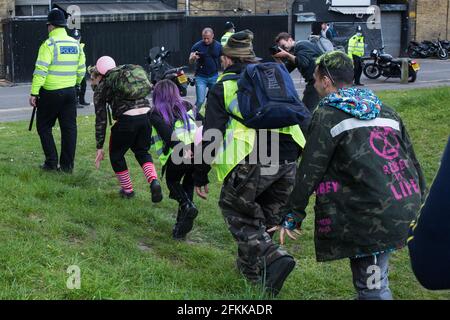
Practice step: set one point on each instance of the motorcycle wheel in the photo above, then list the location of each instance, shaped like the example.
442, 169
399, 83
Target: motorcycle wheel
183, 91
412, 75
372, 71
443, 54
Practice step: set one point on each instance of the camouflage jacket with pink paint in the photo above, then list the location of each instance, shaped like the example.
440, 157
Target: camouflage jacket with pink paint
368, 183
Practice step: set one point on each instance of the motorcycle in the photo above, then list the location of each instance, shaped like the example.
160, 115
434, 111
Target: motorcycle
160, 69
385, 65
428, 49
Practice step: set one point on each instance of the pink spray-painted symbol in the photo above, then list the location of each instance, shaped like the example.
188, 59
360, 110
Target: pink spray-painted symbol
384, 142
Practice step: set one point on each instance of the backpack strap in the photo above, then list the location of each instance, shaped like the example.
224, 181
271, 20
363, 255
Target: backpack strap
229, 76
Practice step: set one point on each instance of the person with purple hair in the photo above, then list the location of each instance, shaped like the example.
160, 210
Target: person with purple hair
173, 132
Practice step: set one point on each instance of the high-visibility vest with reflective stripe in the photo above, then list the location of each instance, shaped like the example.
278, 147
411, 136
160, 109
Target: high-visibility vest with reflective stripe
239, 140
356, 46
180, 133
225, 37
60, 63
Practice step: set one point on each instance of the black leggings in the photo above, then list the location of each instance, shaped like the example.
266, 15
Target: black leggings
181, 191
130, 132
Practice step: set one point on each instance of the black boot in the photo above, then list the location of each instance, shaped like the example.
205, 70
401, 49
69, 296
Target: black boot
187, 213
126, 195
155, 189
277, 272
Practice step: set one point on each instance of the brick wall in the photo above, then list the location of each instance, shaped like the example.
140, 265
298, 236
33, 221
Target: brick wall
225, 7
432, 19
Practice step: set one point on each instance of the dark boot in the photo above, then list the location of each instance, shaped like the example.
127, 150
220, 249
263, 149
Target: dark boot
185, 220
277, 272
126, 195
155, 189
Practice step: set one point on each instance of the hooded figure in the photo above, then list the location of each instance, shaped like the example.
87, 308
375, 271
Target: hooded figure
360, 163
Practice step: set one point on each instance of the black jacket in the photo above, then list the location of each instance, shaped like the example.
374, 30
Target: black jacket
306, 54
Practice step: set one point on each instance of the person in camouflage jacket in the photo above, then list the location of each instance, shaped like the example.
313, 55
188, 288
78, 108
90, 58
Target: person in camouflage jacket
360, 162
124, 89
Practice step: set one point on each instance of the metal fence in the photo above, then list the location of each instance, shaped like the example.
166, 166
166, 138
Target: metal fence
130, 41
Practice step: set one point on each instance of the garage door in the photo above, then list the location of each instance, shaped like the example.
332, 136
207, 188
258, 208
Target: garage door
391, 24
302, 31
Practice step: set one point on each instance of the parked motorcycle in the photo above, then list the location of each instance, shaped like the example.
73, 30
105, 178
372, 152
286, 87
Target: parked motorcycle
160, 69
428, 49
385, 65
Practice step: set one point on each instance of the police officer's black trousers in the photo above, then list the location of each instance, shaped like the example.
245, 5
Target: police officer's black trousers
82, 91
61, 105
357, 63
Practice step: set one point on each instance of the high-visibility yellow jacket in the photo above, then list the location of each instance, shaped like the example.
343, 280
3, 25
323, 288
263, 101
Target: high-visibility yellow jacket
225, 37
60, 63
239, 140
356, 46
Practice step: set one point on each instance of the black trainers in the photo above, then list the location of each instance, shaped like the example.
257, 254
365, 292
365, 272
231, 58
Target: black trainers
277, 272
155, 189
84, 103
126, 195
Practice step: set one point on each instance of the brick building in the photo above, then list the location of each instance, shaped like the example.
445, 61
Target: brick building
234, 7
430, 18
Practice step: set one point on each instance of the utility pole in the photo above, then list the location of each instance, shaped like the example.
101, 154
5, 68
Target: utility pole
187, 5
289, 5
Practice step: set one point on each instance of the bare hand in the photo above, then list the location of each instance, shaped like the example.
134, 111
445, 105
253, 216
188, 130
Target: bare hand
32, 101
194, 56
283, 232
282, 54
99, 158
202, 192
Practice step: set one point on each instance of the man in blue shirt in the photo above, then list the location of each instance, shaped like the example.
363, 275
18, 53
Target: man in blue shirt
206, 53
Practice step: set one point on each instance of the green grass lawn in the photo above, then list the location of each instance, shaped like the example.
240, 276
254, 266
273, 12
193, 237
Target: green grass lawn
124, 248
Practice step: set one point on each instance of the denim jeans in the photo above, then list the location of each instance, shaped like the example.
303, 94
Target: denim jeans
370, 277
201, 83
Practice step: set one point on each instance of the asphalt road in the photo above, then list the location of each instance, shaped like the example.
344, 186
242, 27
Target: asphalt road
14, 100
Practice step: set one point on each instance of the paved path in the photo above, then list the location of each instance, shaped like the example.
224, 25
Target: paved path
14, 100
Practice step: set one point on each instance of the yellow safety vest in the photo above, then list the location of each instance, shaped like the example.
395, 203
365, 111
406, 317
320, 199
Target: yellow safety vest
60, 63
356, 46
239, 140
225, 38
182, 133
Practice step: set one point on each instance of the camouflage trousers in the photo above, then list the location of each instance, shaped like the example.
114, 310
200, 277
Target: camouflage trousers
251, 203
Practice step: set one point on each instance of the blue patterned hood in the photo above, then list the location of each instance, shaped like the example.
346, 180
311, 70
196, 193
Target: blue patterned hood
362, 104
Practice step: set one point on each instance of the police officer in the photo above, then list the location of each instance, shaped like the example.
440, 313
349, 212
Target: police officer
81, 91
229, 31
60, 66
356, 52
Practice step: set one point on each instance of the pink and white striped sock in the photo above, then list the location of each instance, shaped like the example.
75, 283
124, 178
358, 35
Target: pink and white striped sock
125, 181
149, 171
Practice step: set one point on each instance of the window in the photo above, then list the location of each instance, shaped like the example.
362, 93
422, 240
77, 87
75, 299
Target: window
351, 3
31, 10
